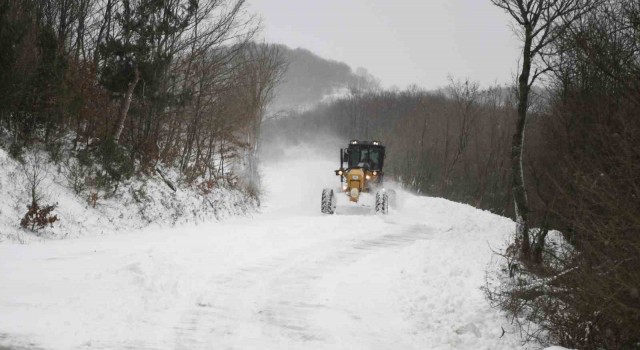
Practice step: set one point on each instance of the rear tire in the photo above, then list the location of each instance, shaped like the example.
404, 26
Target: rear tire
382, 202
328, 205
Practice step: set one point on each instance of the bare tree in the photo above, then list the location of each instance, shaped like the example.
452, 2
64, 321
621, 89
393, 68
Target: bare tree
35, 170
465, 97
539, 24
263, 67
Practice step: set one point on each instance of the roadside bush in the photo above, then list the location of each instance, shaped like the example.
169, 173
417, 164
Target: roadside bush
101, 168
16, 151
206, 187
55, 149
35, 169
37, 218
76, 175
115, 161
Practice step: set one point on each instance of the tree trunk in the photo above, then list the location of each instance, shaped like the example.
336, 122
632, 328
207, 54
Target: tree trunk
538, 246
517, 148
124, 108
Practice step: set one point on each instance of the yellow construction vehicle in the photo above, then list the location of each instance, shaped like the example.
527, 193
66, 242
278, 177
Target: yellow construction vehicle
363, 174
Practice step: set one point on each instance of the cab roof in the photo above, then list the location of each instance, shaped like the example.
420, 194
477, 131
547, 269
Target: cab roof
365, 143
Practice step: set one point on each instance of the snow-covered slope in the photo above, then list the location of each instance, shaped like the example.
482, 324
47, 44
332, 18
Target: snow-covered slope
139, 202
288, 278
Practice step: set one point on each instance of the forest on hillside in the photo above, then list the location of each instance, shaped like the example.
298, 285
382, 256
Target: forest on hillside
310, 79
557, 151
113, 88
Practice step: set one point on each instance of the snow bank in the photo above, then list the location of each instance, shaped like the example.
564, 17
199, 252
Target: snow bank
138, 203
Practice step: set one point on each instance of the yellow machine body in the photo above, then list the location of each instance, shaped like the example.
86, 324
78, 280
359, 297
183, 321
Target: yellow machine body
357, 181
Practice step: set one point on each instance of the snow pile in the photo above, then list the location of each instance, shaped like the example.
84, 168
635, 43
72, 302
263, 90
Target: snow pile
138, 202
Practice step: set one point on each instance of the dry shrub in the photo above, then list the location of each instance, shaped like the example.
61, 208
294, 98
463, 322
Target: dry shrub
206, 187
585, 163
37, 218
600, 208
93, 198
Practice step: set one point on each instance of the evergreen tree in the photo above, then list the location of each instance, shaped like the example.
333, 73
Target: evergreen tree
142, 51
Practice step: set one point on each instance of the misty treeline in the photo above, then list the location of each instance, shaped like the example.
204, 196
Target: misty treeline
311, 78
452, 143
124, 86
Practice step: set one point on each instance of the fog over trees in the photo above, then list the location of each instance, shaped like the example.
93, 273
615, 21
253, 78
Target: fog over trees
310, 78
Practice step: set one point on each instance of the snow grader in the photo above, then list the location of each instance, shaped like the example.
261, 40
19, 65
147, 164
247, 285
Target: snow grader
363, 174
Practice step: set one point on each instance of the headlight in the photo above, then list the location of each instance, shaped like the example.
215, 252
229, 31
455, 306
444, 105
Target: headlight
368, 177
339, 172
375, 173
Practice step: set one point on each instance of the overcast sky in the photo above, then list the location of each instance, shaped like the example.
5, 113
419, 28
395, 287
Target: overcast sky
401, 42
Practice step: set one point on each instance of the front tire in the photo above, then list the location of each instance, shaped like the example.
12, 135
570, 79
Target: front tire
328, 205
382, 202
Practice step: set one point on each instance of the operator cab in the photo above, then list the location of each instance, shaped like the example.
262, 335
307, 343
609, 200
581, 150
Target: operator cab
368, 155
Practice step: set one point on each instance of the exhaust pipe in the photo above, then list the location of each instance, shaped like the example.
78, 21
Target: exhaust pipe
341, 164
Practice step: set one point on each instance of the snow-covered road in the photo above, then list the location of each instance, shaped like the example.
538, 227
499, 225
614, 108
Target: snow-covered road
287, 278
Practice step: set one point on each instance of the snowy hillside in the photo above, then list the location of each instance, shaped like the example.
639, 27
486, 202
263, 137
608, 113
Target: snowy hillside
138, 203
288, 278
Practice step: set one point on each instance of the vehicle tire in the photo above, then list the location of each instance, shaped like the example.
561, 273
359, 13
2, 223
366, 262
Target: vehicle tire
328, 201
382, 202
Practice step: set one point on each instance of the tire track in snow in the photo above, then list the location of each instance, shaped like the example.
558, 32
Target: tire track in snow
30, 346
277, 294
291, 316
13, 347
